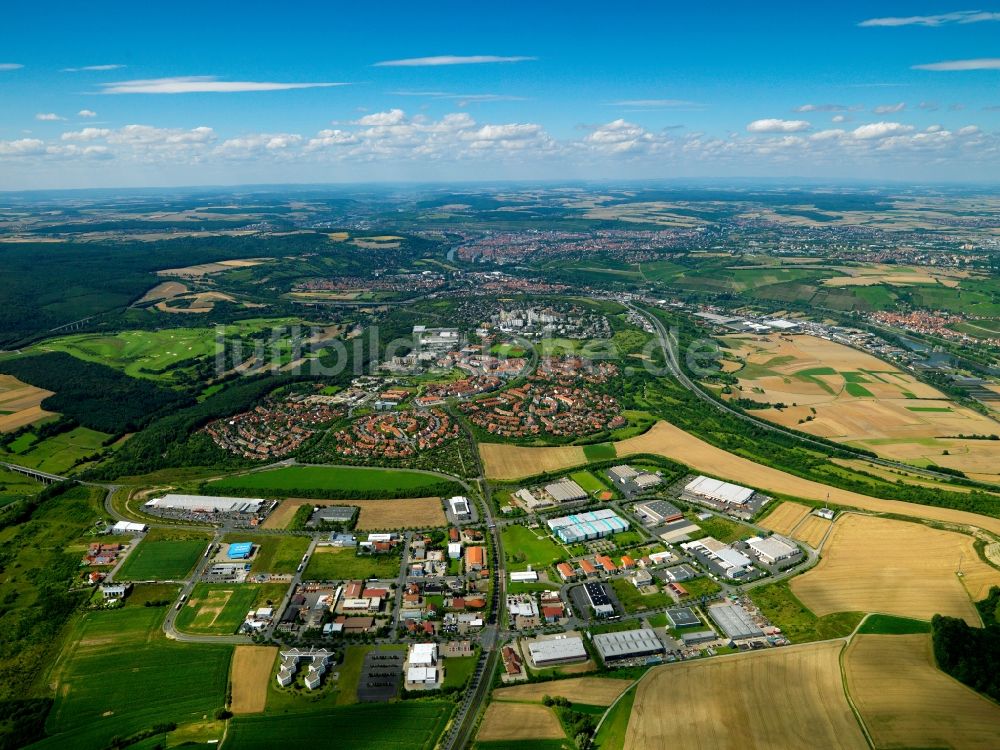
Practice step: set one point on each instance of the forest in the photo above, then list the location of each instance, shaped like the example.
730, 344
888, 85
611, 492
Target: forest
968, 654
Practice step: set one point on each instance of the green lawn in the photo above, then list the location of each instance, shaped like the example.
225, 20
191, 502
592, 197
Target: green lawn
457, 670
274, 554
588, 481
163, 559
59, 453
634, 600
398, 482
152, 592
698, 587
798, 623
600, 451
723, 529
533, 547
219, 608
407, 725
892, 625
120, 675
343, 563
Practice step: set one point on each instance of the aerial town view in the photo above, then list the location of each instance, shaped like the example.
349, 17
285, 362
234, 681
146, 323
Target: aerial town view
539, 377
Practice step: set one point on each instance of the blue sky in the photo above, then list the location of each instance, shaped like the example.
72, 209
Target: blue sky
223, 93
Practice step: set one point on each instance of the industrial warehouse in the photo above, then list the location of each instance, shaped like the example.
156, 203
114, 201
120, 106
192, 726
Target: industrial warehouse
734, 499
585, 526
734, 621
628, 644
556, 651
240, 511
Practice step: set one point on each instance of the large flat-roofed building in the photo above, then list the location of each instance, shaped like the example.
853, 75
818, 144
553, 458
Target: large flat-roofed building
204, 504
599, 600
128, 527
633, 481
628, 644
717, 492
734, 621
659, 511
565, 491
459, 506
683, 617
771, 549
557, 651
584, 526
732, 562
239, 550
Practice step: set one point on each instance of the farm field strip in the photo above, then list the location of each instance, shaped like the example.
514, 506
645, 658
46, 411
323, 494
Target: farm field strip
812, 530
789, 697
906, 701
249, 675
785, 517
519, 721
503, 461
874, 564
373, 514
595, 691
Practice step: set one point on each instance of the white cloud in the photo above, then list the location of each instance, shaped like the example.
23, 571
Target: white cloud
92, 68
382, 119
942, 19
22, 147
981, 63
880, 130
826, 135
201, 84
838, 118
10, 66
773, 125
420, 62
48, 116
620, 137
86, 113
258, 143
87, 134
886, 109
821, 108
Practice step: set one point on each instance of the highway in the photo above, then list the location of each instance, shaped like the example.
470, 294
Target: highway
669, 347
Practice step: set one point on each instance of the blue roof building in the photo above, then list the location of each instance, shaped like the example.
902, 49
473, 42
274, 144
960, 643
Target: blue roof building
240, 550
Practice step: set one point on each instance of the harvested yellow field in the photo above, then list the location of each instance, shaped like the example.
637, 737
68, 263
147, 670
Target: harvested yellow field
874, 564
202, 302
664, 439
777, 698
166, 290
22, 401
840, 393
207, 269
812, 531
894, 475
515, 461
906, 701
785, 517
373, 514
249, 675
519, 721
592, 690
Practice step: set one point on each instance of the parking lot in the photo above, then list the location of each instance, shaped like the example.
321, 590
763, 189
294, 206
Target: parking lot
381, 675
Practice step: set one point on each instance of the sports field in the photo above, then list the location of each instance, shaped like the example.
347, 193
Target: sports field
219, 609
777, 698
406, 725
594, 691
533, 547
396, 482
398, 513
119, 674
519, 721
897, 567
249, 675
842, 394
163, 559
343, 563
588, 481
906, 701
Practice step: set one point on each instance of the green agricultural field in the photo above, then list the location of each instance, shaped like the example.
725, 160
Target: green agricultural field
14, 486
152, 592
588, 481
343, 563
163, 559
141, 354
219, 609
59, 453
892, 625
600, 452
274, 554
333, 479
858, 391
407, 725
533, 547
119, 675
797, 622
612, 733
